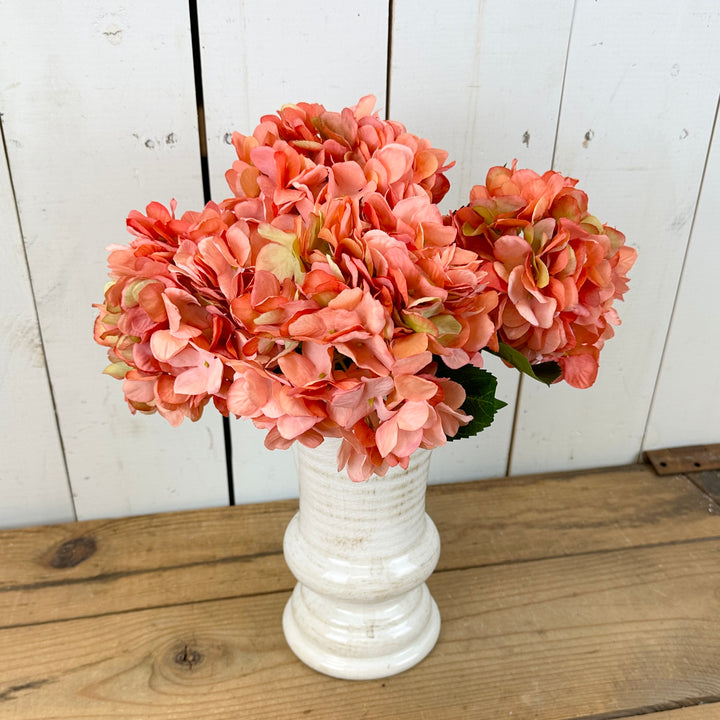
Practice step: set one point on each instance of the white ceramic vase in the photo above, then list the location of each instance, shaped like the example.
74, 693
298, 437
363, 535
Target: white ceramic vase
361, 553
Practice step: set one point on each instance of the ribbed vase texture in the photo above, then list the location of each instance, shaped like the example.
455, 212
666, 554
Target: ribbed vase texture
361, 553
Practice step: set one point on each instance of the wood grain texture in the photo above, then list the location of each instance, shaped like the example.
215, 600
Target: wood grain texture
638, 107
485, 109
685, 410
571, 513
256, 57
145, 561
560, 638
143, 543
99, 115
33, 480
176, 558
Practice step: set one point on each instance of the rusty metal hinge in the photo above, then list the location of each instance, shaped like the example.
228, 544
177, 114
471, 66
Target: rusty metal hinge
691, 458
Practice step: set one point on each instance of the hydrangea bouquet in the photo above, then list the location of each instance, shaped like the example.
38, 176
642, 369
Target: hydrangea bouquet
330, 296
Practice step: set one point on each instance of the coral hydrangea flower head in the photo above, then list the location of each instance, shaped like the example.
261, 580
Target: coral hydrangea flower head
556, 268
305, 152
329, 297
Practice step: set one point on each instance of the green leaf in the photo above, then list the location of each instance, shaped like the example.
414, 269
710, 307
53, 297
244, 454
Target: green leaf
480, 401
547, 372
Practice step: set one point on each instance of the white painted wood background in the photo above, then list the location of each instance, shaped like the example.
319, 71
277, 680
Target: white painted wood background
98, 110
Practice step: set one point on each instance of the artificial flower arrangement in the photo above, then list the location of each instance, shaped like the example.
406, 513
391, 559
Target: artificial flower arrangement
330, 296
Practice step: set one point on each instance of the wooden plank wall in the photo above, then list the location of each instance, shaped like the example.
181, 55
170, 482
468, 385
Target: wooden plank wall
98, 110
98, 104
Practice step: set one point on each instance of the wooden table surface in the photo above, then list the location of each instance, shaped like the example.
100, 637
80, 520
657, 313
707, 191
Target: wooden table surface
589, 595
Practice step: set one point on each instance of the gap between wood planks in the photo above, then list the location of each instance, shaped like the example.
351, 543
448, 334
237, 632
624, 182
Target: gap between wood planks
388, 65
205, 172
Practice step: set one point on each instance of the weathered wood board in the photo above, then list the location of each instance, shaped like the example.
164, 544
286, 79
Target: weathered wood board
99, 116
559, 638
104, 566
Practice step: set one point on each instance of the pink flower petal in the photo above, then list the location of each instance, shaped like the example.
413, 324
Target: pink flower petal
165, 345
290, 426
206, 377
397, 159
412, 415
412, 387
386, 437
580, 371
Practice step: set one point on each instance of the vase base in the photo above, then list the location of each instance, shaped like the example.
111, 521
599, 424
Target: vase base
361, 641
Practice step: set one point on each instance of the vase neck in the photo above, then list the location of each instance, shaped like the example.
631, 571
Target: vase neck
380, 516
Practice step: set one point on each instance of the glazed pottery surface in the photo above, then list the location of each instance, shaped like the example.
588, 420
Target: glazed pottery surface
361, 553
